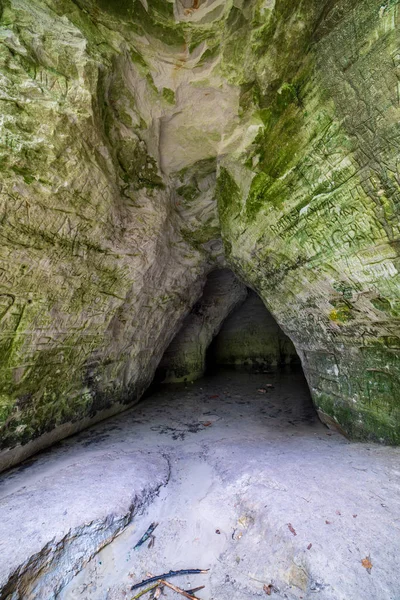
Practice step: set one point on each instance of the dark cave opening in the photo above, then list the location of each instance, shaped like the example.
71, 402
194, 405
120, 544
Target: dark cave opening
231, 339
250, 339
229, 327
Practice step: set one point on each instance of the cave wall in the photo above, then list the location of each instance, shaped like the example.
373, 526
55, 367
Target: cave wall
135, 136
97, 271
310, 212
251, 337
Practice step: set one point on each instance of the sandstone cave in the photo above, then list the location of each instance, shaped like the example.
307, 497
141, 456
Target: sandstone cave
199, 299
228, 327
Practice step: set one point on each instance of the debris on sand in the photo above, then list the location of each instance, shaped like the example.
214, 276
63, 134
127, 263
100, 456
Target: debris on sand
165, 576
291, 529
157, 592
143, 592
179, 591
367, 564
268, 589
146, 536
194, 590
151, 542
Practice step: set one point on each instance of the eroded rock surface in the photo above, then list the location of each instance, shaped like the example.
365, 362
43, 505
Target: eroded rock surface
57, 514
145, 143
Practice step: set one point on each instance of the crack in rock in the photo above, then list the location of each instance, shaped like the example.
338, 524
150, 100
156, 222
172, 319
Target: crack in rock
48, 571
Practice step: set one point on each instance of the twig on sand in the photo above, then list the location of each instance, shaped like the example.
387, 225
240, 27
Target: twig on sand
194, 590
143, 592
168, 576
178, 590
157, 592
146, 536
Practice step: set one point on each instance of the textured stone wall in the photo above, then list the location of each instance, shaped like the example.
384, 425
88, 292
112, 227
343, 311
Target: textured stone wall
310, 211
251, 337
135, 136
97, 269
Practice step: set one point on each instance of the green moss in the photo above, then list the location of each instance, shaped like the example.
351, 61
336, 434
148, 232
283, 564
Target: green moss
25, 173
250, 96
159, 22
341, 314
384, 305
120, 8
45, 396
345, 289
169, 95
6, 408
188, 192
228, 195
235, 45
261, 193
199, 169
360, 422
138, 60
138, 168
278, 142
196, 238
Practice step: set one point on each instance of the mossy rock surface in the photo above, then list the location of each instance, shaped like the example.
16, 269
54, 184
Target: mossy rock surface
141, 148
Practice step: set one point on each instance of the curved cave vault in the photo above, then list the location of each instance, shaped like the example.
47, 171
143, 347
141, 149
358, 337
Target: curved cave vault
229, 326
117, 197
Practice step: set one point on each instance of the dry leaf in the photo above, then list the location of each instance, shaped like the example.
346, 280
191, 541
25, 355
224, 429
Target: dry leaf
267, 589
291, 529
207, 424
367, 564
246, 521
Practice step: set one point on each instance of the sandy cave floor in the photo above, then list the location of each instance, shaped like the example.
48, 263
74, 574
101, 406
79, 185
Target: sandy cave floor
248, 484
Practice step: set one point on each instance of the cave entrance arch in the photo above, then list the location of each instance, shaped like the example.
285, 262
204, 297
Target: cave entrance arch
230, 337
229, 326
